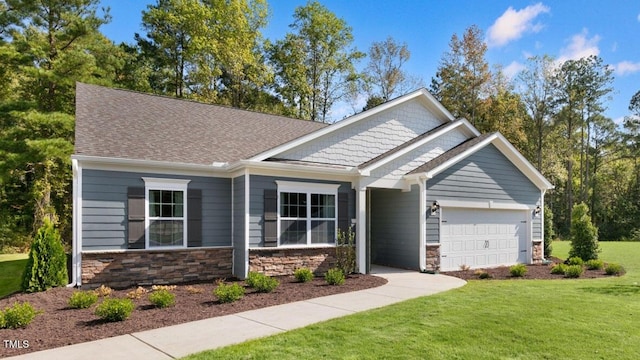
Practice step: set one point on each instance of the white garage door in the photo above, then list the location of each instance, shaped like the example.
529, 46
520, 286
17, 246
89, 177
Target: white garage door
482, 238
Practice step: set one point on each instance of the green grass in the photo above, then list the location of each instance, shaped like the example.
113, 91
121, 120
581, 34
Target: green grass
11, 269
511, 319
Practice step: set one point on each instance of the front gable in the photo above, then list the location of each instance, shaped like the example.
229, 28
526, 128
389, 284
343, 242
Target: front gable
362, 137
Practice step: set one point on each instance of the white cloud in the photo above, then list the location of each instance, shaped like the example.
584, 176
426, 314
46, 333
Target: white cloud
614, 47
580, 46
626, 67
638, 17
511, 70
513, 23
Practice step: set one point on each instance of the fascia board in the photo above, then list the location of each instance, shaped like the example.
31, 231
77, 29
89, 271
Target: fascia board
353, 119
110, 163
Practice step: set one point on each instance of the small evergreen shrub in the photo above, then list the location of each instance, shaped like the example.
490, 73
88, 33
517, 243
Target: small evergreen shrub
303, 275
82, 299
575, 261
47, 264
115, 309
595, 264
228, 293
252, 278
573, 271
334, 276
518, 270
584, 235
613, 269
138, 293
103, 291
261, 282
559, 269
162, 298
18, 316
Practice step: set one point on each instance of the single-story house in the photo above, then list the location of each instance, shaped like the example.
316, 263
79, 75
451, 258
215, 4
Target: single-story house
168, 190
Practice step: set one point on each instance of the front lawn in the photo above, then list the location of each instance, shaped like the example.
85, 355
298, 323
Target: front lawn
511, 319
11, 269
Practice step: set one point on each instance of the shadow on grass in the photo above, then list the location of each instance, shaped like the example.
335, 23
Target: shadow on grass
615, 290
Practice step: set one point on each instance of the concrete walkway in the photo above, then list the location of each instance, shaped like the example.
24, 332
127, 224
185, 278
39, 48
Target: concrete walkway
184, 339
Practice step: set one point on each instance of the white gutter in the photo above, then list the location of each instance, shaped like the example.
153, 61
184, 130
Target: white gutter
216, 167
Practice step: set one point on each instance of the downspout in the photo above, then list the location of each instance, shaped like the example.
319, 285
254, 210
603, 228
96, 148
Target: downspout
76, 244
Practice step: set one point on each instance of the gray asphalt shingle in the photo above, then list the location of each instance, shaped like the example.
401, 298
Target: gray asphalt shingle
132, 125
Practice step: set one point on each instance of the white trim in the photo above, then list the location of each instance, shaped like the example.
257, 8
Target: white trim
483, 205
422, 94
150, 166
233, 228
429, 138
308, 189
76, 253
171, 185
247, 217
361, 225
423, 224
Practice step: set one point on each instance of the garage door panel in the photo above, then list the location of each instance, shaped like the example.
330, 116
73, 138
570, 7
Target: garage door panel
482, 237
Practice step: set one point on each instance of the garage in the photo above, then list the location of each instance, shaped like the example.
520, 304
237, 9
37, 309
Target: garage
481, 238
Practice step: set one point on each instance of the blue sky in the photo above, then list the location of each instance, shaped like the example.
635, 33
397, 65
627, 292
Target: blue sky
514, 30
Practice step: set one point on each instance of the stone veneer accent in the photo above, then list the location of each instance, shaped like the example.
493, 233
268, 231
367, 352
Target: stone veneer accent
538, 251
433, 257
275, 262
146, 267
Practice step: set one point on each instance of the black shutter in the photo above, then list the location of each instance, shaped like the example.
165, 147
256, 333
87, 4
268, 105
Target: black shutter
270, 218
194, 218
344, 220
135, 210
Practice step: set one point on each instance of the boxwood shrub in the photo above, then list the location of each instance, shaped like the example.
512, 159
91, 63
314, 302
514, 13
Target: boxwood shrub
334, 276
573, 271
303, 275
228, 293
82, 299
115, 309
518, 270
162, 298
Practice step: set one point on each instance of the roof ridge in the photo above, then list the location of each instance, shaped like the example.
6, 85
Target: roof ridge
162, 96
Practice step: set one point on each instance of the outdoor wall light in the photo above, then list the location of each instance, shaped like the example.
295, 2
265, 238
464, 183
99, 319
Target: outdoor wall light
434, 207
537, 211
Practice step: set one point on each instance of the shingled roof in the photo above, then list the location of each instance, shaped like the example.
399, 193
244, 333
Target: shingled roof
447, 155
132, 125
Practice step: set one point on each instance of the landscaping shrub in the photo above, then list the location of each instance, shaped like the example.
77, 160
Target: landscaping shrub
518, 270
115, 309
549, 233
103, 291
17, 316
82, 299
228, 293
613, 269
575, 261
162, 298
559, 269
334, 276
573, 271
481, 274
346, 251
595, 264
194, 290
137, 293
303, 275
584, 235
261, 282
47, 264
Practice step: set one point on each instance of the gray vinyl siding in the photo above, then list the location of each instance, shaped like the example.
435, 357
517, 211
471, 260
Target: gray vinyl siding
104, 207
484, 176
259, 183
239, 247
395, 227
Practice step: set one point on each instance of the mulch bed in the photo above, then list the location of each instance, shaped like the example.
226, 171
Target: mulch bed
533, 272
59, 325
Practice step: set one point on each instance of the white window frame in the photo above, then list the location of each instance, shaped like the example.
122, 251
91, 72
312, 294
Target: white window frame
308, 189
170, 185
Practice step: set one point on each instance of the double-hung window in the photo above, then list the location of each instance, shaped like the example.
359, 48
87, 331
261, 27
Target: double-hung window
166, 213
307, 213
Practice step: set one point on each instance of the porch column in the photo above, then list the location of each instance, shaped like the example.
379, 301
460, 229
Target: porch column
423, 224
361, 229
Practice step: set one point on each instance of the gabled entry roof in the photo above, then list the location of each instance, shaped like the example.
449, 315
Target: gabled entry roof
471, 146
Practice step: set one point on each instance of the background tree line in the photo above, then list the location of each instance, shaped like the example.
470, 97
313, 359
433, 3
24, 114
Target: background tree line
213, 51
